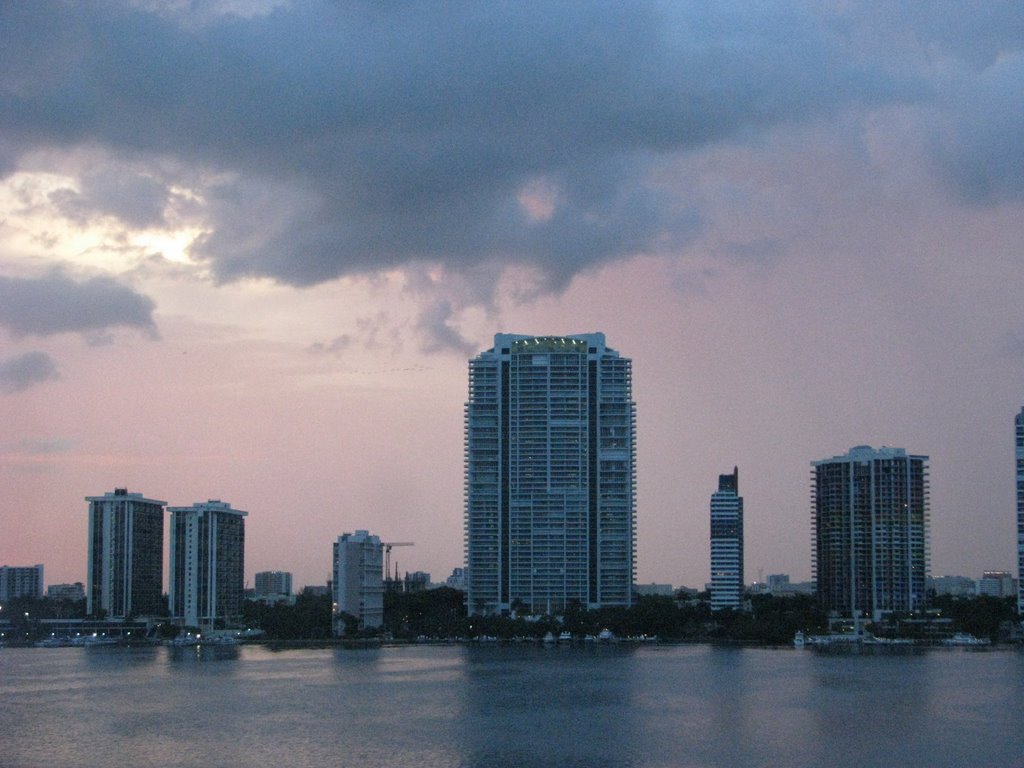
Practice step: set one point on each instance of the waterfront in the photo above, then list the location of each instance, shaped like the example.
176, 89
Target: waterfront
524, 706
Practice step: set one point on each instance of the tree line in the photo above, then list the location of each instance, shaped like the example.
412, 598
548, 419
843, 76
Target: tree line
441, 614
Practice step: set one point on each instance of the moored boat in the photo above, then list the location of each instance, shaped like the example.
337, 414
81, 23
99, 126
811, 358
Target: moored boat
965, 639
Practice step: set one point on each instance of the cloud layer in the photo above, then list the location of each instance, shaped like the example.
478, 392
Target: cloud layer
23, 371
56, 304
327, 139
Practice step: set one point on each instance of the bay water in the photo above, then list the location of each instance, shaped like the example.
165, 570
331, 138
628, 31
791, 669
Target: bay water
527, 706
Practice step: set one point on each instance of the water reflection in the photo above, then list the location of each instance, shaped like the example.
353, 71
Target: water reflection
536, 706
525, 706
202, 653
105, 657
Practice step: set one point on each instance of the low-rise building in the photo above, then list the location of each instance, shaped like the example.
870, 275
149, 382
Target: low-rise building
71, 592
21, 581
653, 589
958, 586
997, 584
457, 580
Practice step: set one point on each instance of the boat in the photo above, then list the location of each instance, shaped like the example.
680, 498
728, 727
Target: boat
965, 639
565, 637
53, 641
870, 639
548, 638
188, 640
799, 640
605, 635
95, 639
832, 639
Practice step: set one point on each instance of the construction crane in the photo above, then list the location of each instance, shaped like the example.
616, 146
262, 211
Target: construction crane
387, 554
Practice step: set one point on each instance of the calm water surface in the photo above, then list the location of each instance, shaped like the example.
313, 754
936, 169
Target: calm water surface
523, 706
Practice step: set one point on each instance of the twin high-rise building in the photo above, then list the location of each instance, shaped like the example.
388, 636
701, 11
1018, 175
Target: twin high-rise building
727, 544
550, 475
1019, 442
126, 555
870, 518
125, 559
207, 561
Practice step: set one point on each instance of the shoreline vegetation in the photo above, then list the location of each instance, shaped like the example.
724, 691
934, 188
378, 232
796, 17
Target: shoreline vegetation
439, 616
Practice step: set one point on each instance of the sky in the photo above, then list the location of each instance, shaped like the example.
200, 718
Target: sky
246, 249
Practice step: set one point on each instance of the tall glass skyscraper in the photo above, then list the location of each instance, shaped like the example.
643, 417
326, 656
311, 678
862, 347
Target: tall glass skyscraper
1019, 425
125, 560
871, 518
207, 583
550, 478
727, 543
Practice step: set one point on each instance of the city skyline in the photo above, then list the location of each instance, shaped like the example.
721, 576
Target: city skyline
247, 249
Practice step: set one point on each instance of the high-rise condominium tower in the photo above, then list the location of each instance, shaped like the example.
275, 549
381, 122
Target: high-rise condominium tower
870, 515
550, 475
125, 559
1019, 424
358, 580
727, 543
207, 560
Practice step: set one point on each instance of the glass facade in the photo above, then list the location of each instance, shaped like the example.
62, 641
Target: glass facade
550, 475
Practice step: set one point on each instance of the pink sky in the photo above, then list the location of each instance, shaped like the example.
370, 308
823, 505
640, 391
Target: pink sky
236, 267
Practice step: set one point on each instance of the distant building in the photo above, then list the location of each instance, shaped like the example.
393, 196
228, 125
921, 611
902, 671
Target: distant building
797, 588
958, 586
125, 559
71, 592
317, 590
21, 581
417, 581
778, 582
207, 561
727, 544
997, 584
870, 515
653, 589
550, 479
358, 580
1019, 442
457, 580
273, 584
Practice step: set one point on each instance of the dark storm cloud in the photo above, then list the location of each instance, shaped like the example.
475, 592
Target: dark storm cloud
23, 371
57, 304
136, 199
435, 327
984, 152
398, 132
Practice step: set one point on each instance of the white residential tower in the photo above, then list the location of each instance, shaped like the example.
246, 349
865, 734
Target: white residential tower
550, 475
